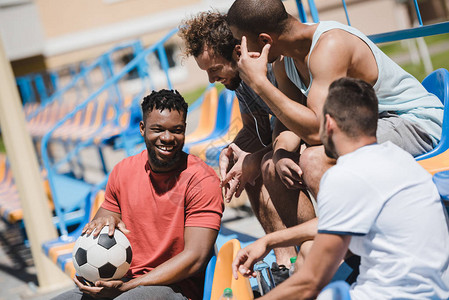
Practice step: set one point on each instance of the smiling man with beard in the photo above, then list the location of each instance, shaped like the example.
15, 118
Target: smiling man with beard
168, 204
164, 147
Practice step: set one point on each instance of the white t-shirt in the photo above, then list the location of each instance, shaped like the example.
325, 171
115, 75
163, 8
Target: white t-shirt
390, 206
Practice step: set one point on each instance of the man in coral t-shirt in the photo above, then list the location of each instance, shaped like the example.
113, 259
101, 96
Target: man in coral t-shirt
169, 205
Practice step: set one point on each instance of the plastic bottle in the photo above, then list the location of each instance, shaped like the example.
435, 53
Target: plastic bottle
227, 295
264, 277
292, 266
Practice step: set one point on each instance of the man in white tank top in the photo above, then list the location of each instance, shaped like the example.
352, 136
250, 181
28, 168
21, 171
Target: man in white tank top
307, 58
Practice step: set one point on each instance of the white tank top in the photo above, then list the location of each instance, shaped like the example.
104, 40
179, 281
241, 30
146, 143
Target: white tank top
397, 91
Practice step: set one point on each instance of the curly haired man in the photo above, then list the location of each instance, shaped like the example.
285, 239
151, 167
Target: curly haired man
272, 159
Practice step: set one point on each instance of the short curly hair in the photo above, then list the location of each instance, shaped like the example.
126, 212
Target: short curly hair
207, 28
164, 99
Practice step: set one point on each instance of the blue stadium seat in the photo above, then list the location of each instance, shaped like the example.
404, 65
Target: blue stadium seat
209, 277
222, 124
437, 83
441, 180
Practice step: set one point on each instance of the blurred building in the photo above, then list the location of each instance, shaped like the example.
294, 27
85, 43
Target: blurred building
53, 34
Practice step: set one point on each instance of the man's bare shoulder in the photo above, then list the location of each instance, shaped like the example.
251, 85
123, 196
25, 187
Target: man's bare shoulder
333, 51
348, 55
338, 40
333, 41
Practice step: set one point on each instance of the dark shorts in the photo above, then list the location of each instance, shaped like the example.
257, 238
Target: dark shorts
405, 134
138, 293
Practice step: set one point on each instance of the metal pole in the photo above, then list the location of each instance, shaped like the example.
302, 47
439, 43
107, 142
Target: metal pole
418, 14
301, 11
313, 11
38, 222
346, 12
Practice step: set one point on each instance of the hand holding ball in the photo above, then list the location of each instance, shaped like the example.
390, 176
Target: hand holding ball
103, 257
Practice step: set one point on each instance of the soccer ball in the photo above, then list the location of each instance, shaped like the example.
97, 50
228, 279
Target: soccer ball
102, 258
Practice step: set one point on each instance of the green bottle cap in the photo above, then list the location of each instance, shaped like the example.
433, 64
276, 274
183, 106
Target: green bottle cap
293, 259
227, 292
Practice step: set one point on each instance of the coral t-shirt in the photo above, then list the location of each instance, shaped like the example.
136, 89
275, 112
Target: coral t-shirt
156, 207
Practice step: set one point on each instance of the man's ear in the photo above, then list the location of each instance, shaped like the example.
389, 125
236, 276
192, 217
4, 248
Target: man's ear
236, 53
264, 38
329, 124
142, 128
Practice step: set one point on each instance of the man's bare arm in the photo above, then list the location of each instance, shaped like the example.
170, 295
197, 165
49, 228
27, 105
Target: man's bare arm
293, 236
248, 256
197, 246
324, 258
329, 61
253, 71
283, 138
286, 156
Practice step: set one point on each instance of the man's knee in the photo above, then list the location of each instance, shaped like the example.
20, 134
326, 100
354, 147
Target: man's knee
311, 158
268, 169
304, 250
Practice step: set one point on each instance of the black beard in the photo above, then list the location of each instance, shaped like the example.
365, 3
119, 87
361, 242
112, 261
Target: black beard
234, 84
164, 164
329, 149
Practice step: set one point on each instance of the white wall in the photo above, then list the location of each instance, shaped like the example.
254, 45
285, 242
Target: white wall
20, 29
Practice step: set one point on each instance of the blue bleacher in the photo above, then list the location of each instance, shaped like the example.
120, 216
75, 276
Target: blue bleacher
437, 83
224, 110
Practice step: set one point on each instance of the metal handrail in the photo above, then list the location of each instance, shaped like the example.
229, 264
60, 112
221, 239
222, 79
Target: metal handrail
101, 61
315, 17
397, 35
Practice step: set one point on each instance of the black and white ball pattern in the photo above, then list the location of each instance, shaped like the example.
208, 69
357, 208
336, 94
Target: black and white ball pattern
102, 258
